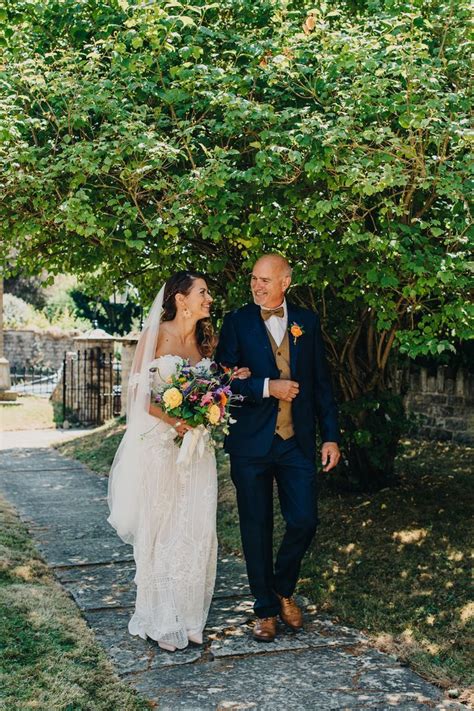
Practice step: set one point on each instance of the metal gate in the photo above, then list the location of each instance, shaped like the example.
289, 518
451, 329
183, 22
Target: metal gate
91, 386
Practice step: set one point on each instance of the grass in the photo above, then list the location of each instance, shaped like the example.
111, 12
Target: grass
33, 413
49, 658
395, 563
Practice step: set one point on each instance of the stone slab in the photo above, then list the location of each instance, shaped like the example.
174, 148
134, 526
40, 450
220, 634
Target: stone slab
50, 529
19, 439
60, 518
231, 579
313, 679
35, 459
239, 642
131, 654
111, 585
85, 551
104, 586
227, 615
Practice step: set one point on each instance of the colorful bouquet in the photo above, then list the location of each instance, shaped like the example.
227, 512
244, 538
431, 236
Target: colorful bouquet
199, 395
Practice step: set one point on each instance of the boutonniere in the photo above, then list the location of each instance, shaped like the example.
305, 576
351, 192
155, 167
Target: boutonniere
296, 331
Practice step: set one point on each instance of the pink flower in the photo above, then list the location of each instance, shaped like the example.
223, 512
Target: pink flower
206, 399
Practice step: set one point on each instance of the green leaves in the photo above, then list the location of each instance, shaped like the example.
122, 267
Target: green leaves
138, 139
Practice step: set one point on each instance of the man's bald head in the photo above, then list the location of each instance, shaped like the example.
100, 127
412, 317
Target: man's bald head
275, 262
271, 277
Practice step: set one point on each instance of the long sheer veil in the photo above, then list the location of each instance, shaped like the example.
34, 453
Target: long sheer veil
126, 472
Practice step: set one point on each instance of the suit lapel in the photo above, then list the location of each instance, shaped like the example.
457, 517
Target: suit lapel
260, 333
294, 343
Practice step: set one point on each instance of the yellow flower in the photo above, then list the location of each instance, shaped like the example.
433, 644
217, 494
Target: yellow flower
172, 398
213, 414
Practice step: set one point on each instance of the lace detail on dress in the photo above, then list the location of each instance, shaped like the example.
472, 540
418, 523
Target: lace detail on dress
175, 548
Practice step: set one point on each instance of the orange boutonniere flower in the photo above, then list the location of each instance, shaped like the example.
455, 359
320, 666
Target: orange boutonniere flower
296, 331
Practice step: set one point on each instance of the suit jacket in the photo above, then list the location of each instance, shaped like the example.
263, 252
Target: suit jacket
244, 341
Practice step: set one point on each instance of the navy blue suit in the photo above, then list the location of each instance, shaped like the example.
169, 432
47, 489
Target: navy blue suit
258, 455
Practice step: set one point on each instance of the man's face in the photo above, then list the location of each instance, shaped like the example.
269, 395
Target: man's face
268, 283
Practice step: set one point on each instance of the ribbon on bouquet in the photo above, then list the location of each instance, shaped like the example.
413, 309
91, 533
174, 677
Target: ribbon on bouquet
198, 438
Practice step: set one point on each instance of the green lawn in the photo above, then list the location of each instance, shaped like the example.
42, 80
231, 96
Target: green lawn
49, 658
395, 564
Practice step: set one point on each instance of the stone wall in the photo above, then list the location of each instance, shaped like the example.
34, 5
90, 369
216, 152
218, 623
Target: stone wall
37, 348
444, 402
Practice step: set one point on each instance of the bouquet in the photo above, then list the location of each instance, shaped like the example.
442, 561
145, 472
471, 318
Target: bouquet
201, 396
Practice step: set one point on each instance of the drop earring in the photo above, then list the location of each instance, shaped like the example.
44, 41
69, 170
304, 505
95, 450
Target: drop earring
187, 313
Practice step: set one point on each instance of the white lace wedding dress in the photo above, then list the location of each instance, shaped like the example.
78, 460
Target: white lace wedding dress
175, 547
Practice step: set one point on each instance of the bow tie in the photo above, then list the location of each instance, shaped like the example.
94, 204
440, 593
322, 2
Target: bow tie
266, 313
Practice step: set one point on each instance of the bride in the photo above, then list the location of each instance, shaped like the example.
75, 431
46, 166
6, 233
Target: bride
165, 510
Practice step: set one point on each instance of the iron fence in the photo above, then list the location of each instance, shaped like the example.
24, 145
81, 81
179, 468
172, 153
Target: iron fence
91, 386
34, 380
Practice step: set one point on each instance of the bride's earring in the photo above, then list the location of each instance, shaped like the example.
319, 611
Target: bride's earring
187, 313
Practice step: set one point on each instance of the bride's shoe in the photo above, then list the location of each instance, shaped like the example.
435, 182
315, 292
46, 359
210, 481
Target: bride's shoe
195, 638
166, 647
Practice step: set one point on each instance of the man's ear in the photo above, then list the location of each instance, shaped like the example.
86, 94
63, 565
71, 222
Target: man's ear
286, 282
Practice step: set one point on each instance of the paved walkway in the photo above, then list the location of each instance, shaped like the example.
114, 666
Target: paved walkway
31, 439
325, 667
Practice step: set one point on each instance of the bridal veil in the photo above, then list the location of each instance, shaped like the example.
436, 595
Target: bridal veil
125, 475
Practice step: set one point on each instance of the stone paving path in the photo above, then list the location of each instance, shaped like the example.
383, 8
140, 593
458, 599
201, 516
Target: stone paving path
327, 666
35, 438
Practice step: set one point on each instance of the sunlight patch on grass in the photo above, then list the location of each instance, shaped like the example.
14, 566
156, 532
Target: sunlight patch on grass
467, 613
25, 572
415, 535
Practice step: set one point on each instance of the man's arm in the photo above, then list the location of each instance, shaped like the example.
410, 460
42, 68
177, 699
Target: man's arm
325, 403
228, 354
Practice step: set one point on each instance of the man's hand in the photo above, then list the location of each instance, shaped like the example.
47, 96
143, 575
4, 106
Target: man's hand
330, 455
285, 390
242, 373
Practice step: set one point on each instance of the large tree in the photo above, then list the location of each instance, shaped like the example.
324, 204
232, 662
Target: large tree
142, 137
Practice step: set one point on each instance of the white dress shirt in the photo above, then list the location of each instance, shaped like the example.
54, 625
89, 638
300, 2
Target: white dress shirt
277, 326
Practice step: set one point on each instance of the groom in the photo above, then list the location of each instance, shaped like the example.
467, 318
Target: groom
274, 435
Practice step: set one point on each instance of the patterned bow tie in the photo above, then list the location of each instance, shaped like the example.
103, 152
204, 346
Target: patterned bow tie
266, 313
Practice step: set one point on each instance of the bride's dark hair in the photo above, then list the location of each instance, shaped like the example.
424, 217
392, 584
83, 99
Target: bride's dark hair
181, 283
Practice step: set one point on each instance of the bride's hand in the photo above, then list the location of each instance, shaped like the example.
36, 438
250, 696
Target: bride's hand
242, 373
181, 427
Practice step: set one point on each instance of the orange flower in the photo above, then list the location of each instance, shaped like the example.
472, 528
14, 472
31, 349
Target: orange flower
224, 399
296, 331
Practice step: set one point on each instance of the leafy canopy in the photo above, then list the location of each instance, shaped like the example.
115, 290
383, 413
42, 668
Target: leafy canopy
138, 138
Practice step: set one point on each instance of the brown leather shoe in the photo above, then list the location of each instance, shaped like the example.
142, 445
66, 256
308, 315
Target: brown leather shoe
290, 613
265, 629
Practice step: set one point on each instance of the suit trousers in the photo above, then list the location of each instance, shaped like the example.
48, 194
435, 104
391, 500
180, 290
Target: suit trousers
253, 477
